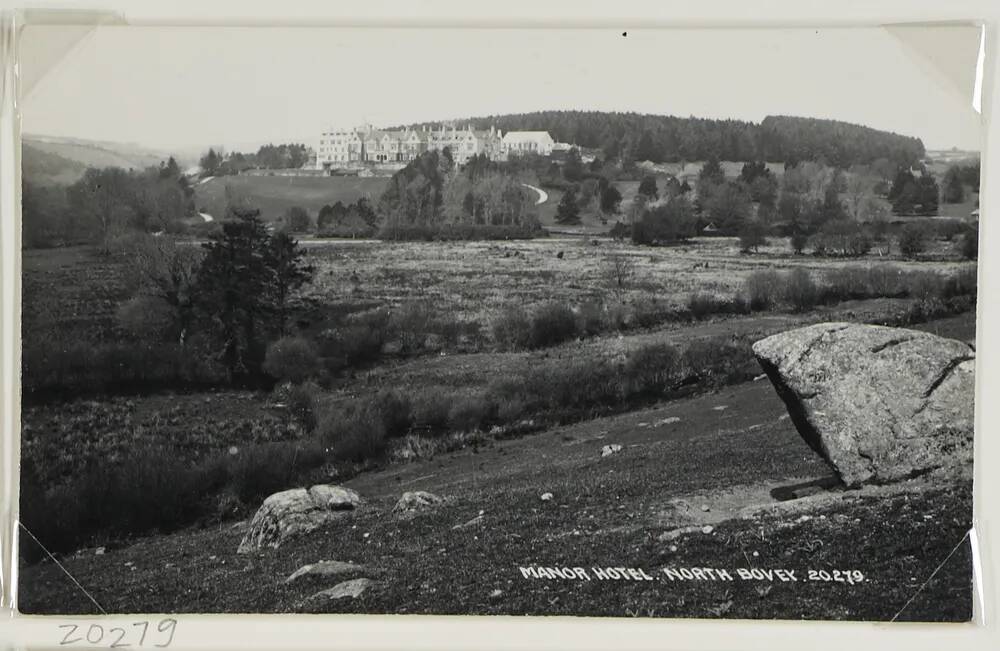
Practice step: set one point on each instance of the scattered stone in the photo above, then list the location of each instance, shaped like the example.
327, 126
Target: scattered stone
496, 594
417, 500
879, 404
760, 377
99, 551
608, 450
707, 529
297, 512
546, 497
704, 507
470, 523
720, 408
326, 568
348, 589
673, 534
667, 421
643, 424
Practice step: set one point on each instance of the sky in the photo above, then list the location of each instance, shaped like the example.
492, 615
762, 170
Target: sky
184, 87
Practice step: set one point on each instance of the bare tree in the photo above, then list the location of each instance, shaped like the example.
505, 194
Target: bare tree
619, 272
167, 272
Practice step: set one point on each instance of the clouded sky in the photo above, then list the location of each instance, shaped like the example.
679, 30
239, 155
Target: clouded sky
239, 87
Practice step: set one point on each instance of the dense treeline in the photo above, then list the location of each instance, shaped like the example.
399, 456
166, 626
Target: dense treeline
104, 203
284, 156
433, 197
841, 144
663, 138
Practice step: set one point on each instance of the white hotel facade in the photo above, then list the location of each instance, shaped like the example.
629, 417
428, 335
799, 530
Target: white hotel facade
366, 145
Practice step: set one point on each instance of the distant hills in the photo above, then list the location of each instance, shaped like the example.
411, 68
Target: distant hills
49, 160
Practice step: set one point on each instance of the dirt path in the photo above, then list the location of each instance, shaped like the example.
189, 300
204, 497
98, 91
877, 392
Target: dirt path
543, 196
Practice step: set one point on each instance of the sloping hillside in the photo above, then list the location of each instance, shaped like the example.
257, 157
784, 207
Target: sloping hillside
42, 167
91, 153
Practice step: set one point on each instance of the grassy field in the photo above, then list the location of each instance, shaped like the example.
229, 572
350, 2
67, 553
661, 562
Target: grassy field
731, 448
273, 195
473, 280
724, 455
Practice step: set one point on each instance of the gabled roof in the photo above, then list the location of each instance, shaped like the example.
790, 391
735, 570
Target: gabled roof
527, 136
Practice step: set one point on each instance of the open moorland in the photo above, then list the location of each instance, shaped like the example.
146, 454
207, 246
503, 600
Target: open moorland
273, 195
712, 452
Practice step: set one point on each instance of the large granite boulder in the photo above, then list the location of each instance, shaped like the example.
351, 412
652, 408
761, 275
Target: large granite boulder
296, 512
879, 404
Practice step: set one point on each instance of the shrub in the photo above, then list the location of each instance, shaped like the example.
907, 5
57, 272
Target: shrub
551, 324
649, 369
702, 305
512, 328
762, 289
259, 470
291, 359
302, 403
146, 318
591, 318
913, 240
356, 433
469, 413
801, 290
395, 410
798, 241
411, 323
963, 282
430, 409
719, 360
968, 244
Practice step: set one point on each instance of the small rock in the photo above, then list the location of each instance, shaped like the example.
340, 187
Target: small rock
756, 554
667, 421
417, 500
326, 568
496, 594
608, 450
707, 529
804, 518
720, 408
348, 589
99, 551
673, 548
704, 507
760, 377
547, 497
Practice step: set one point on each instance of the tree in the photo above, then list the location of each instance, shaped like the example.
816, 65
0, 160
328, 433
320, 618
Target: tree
611, 198
647, 187
573, 167
729, 207
912, 240
568, 212
297, 220
668, 222
104, 198
903, 178
209, 163
752, 236
927, 193
233, 288
166, 272
285, 260
954, 189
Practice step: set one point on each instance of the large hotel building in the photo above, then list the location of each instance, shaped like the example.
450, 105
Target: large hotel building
368, 145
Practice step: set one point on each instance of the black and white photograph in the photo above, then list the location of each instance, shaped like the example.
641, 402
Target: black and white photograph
653, 323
